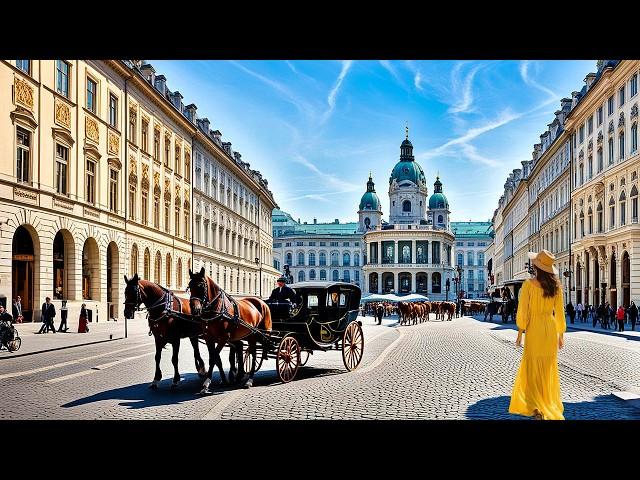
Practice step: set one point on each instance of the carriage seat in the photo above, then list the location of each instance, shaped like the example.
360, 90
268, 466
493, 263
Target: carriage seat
280, 310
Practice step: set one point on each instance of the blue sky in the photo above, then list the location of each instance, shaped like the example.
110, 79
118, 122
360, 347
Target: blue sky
316, 128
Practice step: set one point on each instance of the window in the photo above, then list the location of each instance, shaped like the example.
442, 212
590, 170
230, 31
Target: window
335, 276
611, 159
623, 213
612, 213
470, 244
590, 125
312, 259
300, 258
113, 110
600, 160
323, 244
406, 206
299, 244
356, 276
469, 258
582, 134
600, 115
621, 96
346, 259
167, 223
113, 190
633, 85
459, 244
90, 181
312, 275
610, 106
634, 137
323, 259
23, 154
145, 135
480, 259
345, 244
621, 145
62, 77
347, 277
133, 125
334, 258
24, 65
92, 89
145, 208
187, 166
590, 171
62, 162
167, 149
132, 202
156, 144
634, 204
333, 244
323, 274
590, 215
177, 160
312, 244
356, 259
600, 219
177, 221
186, 224
156, 212
460, 259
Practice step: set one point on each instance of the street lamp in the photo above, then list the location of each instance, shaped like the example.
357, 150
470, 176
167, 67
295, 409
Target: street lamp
447, 287
257, 261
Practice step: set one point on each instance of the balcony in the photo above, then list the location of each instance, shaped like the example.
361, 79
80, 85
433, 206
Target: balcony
432, 266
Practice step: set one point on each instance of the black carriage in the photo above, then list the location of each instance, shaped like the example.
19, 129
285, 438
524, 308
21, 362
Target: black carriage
324, 317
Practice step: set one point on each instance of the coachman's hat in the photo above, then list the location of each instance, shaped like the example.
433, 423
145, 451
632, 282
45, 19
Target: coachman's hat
282, 279
544, 261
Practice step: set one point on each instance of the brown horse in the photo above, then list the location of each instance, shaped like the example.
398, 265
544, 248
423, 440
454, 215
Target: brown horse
228, 320
166, 327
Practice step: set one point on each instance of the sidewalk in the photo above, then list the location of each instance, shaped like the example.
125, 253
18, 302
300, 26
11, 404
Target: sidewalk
98, 332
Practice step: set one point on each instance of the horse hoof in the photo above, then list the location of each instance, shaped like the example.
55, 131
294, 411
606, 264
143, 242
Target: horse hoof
248, 383
153, 386
205, 391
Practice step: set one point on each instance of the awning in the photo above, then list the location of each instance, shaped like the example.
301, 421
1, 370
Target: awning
390, 297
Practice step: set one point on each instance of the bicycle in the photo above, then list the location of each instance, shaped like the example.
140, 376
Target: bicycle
10, 337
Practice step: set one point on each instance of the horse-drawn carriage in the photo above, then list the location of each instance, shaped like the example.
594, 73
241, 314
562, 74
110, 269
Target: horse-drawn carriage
323, 317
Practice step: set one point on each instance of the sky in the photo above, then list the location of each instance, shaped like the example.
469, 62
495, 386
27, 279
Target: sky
315, 129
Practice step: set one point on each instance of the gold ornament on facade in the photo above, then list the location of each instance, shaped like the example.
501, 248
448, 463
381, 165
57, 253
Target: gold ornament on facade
23, 93
91, 129
167, 191
114, 143
63, 114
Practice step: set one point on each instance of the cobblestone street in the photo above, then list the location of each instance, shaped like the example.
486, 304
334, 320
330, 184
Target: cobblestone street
463, 369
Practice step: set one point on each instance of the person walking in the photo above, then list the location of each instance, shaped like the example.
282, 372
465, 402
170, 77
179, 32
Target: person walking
379, 313
579, 309
632, 311
83, 326
612, 317
541, 317
620, 314
17, 310
48, 314
63, 317
571, 311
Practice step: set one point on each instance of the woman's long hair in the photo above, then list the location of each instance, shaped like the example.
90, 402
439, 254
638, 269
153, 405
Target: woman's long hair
549, 282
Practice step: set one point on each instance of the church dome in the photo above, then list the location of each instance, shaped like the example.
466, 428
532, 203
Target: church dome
407, 168
438, 200
370, 200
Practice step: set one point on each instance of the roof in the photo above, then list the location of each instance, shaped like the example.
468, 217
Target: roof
322, 285
472, 229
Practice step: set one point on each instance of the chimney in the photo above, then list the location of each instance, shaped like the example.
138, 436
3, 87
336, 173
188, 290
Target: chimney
560, 116
149, 73
190, 112
589, 79
565, 104
227, 147
161, 84
176, 99
315, 221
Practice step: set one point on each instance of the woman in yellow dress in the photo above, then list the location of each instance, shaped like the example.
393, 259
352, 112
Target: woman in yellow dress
536, 391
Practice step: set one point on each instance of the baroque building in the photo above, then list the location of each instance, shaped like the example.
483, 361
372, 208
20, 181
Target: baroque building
472, 240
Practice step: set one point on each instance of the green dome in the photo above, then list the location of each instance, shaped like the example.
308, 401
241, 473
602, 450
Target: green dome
370, 200
408, 170
438, 200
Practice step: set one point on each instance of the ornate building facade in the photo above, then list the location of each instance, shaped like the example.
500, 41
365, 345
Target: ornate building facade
413, 252
95, 183
472, 240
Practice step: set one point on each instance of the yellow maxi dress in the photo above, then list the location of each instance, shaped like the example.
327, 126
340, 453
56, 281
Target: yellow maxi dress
537, 385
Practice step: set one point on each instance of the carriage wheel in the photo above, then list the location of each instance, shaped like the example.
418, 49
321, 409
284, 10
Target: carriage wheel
248, 359
14, 345
352, 346
288, 359
304, 355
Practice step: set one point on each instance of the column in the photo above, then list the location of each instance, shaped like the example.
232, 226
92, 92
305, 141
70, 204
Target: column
396, 284
413, 282
413, 253
379, 282
379, 259
619, 279
395, 252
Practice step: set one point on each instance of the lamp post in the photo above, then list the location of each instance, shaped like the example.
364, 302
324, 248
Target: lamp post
257, 261
447, 287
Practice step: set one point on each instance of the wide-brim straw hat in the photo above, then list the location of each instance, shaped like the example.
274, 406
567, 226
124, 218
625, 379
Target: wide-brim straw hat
544, 261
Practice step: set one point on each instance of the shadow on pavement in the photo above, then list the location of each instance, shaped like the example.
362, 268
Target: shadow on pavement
603, 407
141, 396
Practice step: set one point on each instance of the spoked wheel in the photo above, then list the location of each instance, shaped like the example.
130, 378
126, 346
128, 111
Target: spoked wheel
288, 359
304, 357
352, 346
14, 345
248, 359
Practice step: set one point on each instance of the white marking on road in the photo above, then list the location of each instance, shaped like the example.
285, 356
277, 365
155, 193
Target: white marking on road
383, 355
99, 368
64, 364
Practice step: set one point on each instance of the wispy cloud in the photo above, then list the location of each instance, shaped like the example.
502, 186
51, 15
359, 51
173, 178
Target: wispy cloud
462, 89
328, 178
417, 80
291, 66
387, 65
524, 73
331, 99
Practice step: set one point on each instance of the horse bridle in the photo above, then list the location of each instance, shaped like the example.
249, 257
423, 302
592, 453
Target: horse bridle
162, 301
207, 305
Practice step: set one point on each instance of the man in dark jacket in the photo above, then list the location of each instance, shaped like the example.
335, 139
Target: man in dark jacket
571, 311
632, 311
379, 313
283, 293
17, 310
48, 314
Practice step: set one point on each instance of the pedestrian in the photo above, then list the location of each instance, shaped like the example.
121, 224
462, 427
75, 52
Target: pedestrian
571, 311
379, 313
612, 317
63, 317
5, 323
536, 390
48, 314
17, 310
620, 314
580, 309
83, 326
633, 315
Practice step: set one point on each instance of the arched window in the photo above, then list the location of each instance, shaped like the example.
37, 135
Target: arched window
611, 159
347, 277
346, 259
440, 219
323, 258
312, 275
335, 275
312, 258
179, 273
634, 137
356, 259
612, 213
147, 264
634, 204
301, 276
460, 259
435, 283
406, 206
323, 274
134, 260
621, 144
582, 224
469, 258
289, 259
406, 254
590, 215
599, 212
157, 268
600, 160
334, 258
623, 208
168, 273
481, 259
589, 169
300, 258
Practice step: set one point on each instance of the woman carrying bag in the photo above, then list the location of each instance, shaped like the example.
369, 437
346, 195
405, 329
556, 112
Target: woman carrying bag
536, 391
82, 324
